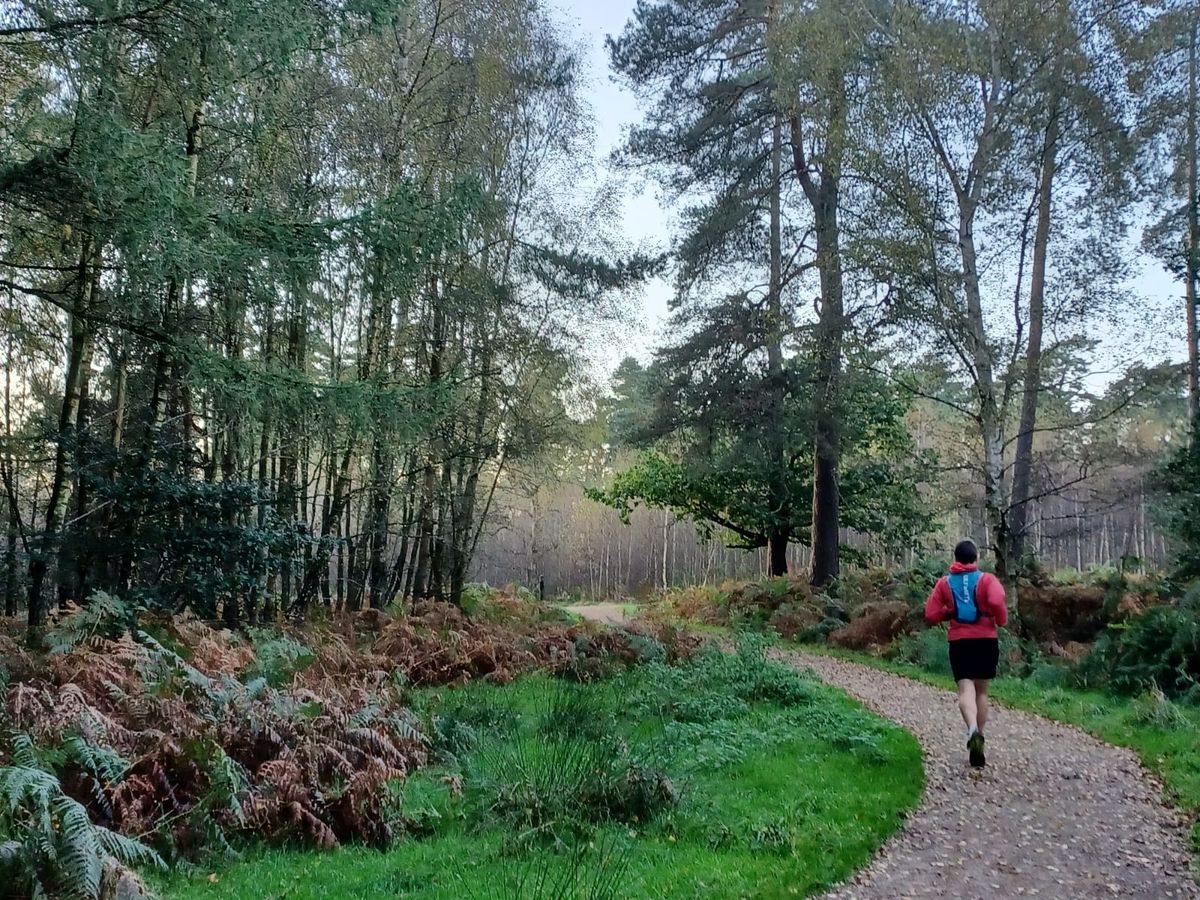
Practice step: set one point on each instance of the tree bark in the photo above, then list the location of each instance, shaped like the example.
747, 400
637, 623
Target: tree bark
776, 384
425, 524
1023, 461
826, 504
991, 426
1193, 248
68, 418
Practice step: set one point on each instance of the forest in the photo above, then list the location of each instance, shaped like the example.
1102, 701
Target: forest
320, 317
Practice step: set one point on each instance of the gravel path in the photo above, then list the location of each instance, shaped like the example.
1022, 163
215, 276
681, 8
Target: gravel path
611, 613
1055, 814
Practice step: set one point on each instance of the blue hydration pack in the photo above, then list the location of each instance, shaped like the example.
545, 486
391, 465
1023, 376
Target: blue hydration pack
963, 586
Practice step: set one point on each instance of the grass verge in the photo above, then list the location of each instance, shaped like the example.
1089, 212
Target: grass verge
728, 776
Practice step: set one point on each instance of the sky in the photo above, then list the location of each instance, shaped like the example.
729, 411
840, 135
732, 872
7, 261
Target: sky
647, 223
644, 221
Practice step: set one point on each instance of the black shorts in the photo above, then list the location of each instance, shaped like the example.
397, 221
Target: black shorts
974, 658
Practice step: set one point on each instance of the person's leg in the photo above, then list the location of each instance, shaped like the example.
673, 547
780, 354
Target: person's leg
981, 703
967, 703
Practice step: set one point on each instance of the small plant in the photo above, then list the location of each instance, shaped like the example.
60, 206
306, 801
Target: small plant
927, 649
278, 658
1155, 710
51, 847
1050, 675
588, 870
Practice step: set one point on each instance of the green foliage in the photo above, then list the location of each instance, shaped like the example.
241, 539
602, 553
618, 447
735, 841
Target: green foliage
49, 845
566, 768
1051, 675
278, 657
1178, 484
1152, 709
588, 872
196, 543
724, 483
1158, 649
725, 681
927, 649
473, 596
104, 616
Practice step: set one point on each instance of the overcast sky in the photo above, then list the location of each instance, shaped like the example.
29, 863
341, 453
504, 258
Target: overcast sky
645, 220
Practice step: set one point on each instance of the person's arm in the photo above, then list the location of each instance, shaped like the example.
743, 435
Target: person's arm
995, 599
936, 607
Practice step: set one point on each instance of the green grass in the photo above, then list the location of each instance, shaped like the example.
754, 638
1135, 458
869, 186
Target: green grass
1166, 738
784, 787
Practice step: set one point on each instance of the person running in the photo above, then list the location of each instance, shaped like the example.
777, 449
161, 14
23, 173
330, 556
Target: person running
973, 602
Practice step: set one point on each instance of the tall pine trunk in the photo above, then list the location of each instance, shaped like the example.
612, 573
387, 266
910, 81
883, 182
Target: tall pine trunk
780, 534
826, 504
1193, 254
823, 195
1023, 461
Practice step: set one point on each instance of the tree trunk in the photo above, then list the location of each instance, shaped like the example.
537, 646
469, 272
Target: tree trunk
1023, 461
1193, 249
826, 503
72, 573
10, 560
422, 582
56, 505
991, 426
823, 196
777, 554
381, 500
776, 384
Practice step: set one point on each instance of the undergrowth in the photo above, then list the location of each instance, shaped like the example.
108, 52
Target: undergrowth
199, 742
626, 788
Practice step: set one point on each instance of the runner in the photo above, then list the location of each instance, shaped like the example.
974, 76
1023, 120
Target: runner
973, 601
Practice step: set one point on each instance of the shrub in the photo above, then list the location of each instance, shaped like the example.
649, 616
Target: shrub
1050, 675
548, 783
472, 596
278, 657
1067, 576
790, 621
1160, 648
819, 633
877, 625
927, 649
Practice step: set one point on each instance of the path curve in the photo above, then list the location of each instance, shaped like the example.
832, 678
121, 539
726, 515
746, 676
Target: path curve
1056, 813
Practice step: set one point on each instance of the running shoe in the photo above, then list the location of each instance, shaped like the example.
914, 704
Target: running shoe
975, 749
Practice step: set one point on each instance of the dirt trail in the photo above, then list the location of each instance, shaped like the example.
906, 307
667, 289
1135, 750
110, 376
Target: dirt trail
611, 613
1056, 813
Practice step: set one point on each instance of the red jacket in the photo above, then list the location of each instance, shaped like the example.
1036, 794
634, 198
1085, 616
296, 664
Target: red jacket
989, 597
